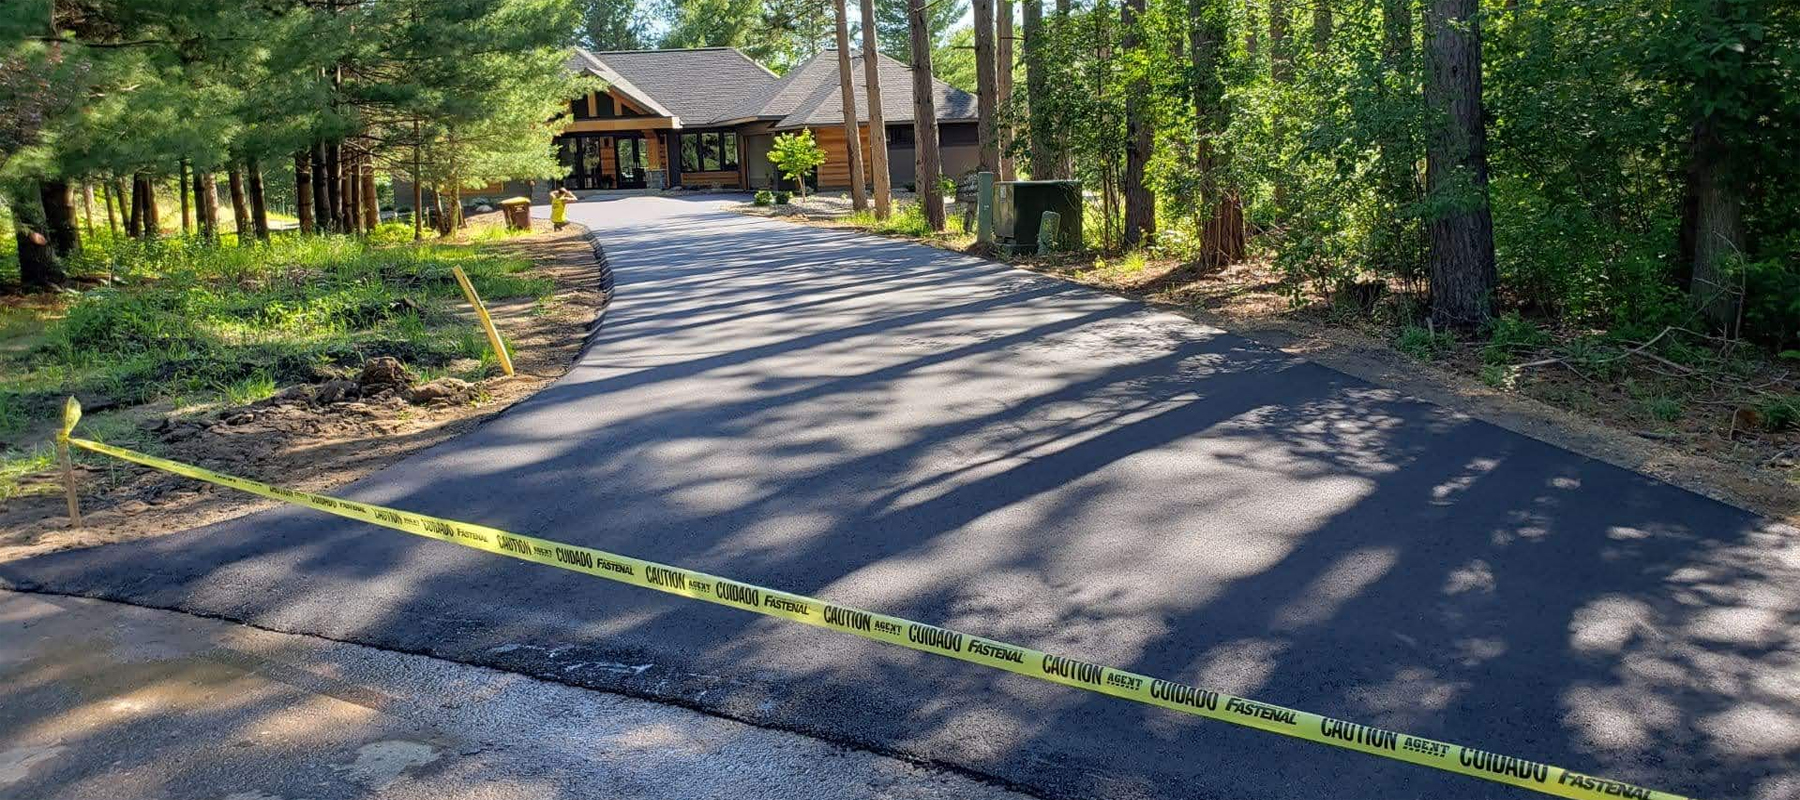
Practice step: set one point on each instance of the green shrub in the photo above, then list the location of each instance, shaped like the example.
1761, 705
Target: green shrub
1422, 344
764, 197
783, 196
1781, 413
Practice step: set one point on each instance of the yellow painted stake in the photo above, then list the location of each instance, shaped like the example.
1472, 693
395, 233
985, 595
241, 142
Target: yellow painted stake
71, 415
487, 322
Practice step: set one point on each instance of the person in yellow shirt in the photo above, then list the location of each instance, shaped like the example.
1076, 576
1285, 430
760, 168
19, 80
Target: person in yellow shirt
559, 207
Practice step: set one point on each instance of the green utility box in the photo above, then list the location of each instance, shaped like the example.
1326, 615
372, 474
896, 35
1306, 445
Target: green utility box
1019, 208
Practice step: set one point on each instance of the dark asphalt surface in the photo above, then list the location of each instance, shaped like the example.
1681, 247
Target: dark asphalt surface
955, 441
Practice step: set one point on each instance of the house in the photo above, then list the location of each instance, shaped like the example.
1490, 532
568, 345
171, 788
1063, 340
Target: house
706, 118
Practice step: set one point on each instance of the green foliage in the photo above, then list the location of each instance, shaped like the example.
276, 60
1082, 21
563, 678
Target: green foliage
1423, 344
1509, 335
795, 155
908, 219
1781, 413
782, 196
764, 197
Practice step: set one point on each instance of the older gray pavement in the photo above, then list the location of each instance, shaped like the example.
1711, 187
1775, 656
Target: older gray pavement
103, 700
952, 440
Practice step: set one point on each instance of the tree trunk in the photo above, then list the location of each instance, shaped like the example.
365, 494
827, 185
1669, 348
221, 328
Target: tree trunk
1456, 177
1712, 229
182, 187
334, 186
1398, 150
128, 206
303, 192
321, 192
39, 268
1037, 89
106, 199
1252, 31
259, 204
205, 222
152, 221
87, 206
926, 165
1221, 208
58, 199
1281, 61
370, 195
987, 86
878, 149
418, 187
859, 195
1322, 23
1140, 204
240, 210
1003, 58
352, 189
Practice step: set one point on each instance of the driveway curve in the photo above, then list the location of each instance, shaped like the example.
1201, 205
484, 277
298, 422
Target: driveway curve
952, 440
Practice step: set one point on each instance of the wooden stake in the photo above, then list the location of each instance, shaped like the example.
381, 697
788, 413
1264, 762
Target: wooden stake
487, 322
71, 415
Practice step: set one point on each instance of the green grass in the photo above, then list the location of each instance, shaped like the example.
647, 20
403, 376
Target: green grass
190, 322
1422, 344
908, 219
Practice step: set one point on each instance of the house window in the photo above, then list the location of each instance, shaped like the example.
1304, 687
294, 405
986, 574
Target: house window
579, 108
605, 105
709, 151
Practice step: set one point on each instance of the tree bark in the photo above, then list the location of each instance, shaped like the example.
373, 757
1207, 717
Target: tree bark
1042, 157
58, 200
303, 192
1322, 23
878, 149
926, 164
128, 206
259, 204
987, 86
1003, 58
321, 192
352, 189
370, 195
859, 195
1221, 208
39, 267
203, 223
418, 186
1463, 272
106, 199
1252, 31
182, 186
1281, 61
1140, 204
208, 183
87, 206
334, 186
1712, 229
152, 214
240, 210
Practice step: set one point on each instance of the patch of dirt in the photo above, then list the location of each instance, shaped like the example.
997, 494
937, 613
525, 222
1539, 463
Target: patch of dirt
1708, 450
315, 437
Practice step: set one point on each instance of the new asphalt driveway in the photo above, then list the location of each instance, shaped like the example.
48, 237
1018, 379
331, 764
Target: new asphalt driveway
952, 440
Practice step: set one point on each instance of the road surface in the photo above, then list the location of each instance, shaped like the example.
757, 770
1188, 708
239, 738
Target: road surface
942, 438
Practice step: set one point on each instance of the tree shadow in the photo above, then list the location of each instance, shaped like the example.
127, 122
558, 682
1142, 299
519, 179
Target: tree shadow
934, 436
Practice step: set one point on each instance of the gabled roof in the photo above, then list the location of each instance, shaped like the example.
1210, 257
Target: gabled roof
719, 85
813, 97
695, 84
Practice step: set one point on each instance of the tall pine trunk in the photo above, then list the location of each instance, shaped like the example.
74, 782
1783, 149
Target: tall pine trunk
1221, 207
39, 268
321, 193
1140, 204
1456, 175
259, 203
182, 192
106, 199
240, 210
1712, 229
303, 192
1003, 64
1397, 148
987, 86
371, 200
878, 149
1037, 91
206, 205
859, 195
418, 186
58, 199
334, 186
926, 164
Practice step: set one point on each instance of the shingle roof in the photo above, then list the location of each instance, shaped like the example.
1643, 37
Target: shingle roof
694, 84
714, 85
819, 101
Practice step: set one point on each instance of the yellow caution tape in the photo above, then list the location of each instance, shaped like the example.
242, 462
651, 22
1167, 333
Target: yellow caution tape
941, 641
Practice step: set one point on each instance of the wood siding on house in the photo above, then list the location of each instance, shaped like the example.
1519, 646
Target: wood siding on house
835, 172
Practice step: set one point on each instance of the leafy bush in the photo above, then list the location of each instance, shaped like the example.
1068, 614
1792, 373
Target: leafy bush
1422, 344
764, 197
782, 197
1781, 413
